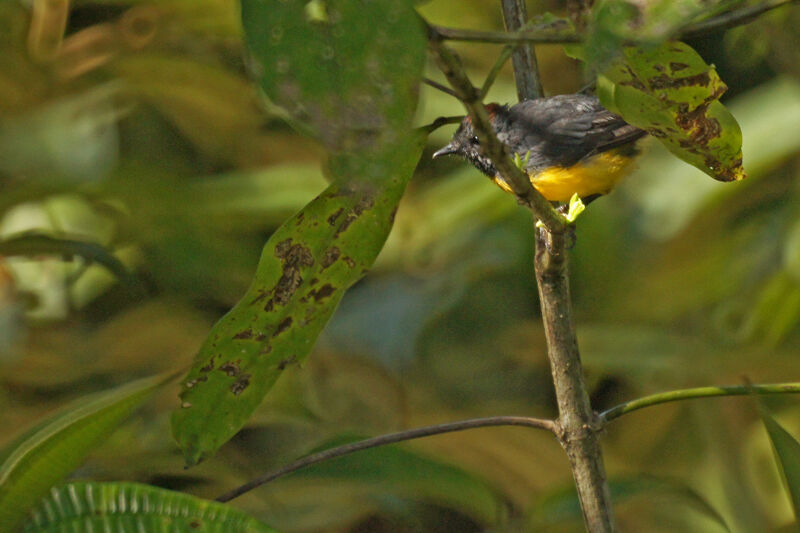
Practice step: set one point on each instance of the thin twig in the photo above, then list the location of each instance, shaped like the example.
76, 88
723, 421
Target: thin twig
548, 34
498, 65
536, 35
698, 392
436, 85
526, 70
731, 19
441, 121
498, 152
392, 438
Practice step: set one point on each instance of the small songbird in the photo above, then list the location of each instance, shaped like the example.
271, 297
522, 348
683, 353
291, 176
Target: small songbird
569, 144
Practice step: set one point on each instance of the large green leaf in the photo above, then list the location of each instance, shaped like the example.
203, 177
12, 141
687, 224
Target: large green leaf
672, 93
346, 69
787, 454
133, 507
49, 451
305, 268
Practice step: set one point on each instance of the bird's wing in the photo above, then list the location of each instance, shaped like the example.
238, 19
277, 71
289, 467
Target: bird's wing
575, 124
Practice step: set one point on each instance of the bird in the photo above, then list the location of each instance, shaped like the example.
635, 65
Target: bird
567, 144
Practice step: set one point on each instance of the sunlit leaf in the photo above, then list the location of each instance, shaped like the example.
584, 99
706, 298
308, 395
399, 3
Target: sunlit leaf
133, 507
787, 455
49, 451
673, 94
347, 69
305, 268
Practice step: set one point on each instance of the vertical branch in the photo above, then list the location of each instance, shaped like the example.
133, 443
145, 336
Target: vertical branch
577, 425
526, 70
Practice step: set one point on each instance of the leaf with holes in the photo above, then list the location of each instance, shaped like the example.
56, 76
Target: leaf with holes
49, 451
305, 268
673, 94
133, 507
348, 70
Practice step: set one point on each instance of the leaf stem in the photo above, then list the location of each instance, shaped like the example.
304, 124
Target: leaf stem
698, 392
391, 438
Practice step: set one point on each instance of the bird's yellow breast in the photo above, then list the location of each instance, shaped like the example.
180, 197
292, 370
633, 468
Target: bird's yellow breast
597, 175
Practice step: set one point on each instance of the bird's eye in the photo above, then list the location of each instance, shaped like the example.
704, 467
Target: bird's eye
475, 139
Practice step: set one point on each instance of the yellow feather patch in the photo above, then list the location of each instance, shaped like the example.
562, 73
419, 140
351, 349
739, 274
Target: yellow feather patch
597, 175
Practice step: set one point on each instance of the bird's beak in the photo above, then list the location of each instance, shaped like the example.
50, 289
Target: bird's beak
447, 150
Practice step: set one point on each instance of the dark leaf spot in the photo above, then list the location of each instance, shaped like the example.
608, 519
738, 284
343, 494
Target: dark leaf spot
677, 66
349, 261
295, 257
330, 257
283, 326
332, 219
288, 361
231, 368
240, 384
364, 203
209, 366
323, 292
665, 82
245, 334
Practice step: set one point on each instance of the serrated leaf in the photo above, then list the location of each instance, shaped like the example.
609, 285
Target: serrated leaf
787, 455
134, 507
41, 457
673, 94
305, 268
348, 70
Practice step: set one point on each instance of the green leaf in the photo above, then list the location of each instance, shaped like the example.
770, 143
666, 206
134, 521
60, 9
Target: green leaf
133, 507
348, 70
409, 474
787, 455
49, 451
563, 505
673, 94
305, 268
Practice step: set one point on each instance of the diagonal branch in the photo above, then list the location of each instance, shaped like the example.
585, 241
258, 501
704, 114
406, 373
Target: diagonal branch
698, 392
547, 34
391, 438
498, 152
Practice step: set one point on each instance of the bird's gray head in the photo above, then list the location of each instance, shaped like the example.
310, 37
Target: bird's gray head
465, 143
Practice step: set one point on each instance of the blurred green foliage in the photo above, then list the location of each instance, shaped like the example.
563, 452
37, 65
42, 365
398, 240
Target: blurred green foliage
133, 125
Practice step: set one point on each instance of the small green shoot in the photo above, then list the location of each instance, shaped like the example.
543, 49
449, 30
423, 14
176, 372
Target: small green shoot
522, 162
576, 207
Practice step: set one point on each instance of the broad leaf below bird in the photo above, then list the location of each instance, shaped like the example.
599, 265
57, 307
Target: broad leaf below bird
672, 93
